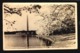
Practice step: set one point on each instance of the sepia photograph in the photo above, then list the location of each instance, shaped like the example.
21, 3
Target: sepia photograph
40, 26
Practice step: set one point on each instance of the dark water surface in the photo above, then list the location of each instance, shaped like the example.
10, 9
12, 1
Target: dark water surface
20, 42
17, 41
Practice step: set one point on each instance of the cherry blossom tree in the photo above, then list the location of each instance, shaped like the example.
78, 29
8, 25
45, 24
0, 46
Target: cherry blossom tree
56, 17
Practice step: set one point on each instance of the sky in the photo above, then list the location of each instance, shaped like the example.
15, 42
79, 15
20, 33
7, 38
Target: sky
21, 21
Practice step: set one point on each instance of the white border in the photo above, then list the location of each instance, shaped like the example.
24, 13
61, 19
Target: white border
41, 4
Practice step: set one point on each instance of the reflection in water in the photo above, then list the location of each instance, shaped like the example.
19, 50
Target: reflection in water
17, 41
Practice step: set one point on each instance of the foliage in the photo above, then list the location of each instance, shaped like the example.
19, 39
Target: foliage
56, 18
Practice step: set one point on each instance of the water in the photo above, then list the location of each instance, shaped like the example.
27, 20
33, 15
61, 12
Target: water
17, 41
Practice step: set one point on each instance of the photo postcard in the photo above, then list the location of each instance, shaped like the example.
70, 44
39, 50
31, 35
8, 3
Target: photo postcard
40, 26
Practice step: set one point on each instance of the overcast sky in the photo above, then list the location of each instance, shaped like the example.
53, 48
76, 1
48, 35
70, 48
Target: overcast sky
21, 21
